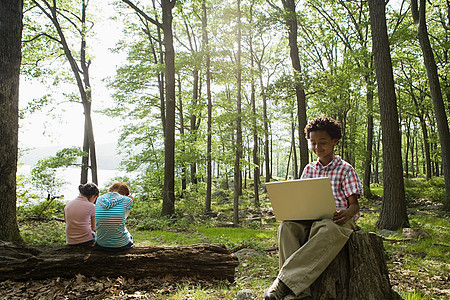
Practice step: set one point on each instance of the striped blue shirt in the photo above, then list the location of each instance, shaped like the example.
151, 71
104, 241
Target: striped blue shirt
110, 212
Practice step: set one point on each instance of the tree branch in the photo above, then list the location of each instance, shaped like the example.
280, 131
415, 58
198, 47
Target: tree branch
41, 35
143, 14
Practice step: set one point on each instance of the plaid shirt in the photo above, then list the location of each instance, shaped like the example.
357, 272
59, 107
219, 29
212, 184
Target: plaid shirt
344, 180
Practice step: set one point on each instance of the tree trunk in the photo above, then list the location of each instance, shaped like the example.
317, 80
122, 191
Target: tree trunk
183, 144
377, 158
294, 151
266, 130
204, 261
209, 97
407, 146
193, 131
91, 143
161, 80
359, 271
89, 148
288, 162
10, 58
256, 162
369, 143
291, 22
393, 210
168, 207
255, 121
413, 156
426, 143
83, 84
85, 158
87, 100
237, 163
418, 14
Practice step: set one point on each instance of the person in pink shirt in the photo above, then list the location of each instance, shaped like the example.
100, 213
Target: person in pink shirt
79, 214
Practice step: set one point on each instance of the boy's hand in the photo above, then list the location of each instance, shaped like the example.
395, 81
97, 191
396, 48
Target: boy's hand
341, 216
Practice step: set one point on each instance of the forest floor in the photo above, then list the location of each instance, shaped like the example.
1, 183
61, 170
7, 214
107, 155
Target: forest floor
417, 258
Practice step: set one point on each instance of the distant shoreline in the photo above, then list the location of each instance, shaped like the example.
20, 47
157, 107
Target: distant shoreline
72, 176
107, 158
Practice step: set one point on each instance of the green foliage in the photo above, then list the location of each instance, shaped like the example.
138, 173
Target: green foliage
64, 158
47, 208
44, 173
24, 196
44, 178
416, 295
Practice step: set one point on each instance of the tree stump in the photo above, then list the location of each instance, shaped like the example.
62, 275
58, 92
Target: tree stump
202, 261
358, 272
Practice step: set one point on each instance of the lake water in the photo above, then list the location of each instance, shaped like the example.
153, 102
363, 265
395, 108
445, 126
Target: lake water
72, 177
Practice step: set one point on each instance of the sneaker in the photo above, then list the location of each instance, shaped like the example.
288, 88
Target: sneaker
277, 291
291, 296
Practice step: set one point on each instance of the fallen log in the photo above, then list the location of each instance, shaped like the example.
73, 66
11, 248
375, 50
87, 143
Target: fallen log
359, 271
202, 261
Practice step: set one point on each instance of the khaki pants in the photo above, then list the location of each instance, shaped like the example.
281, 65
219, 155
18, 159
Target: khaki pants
306, 250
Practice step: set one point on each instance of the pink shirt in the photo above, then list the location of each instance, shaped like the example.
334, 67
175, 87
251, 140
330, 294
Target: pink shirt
78, 214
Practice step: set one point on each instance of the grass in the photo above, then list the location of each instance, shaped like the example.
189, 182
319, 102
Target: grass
231, 237
43, 233
418, 268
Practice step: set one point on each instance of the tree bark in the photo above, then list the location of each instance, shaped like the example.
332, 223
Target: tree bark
168, 207
10, 59
193, 127
377, 158
418, 14
359, 271
255, 151
407, 146
89, 130
85, 158
204, 261
237, 163
295, 172
182, 136
426, 143
209, 99
370, 126
266, 132
393, 210
291, 22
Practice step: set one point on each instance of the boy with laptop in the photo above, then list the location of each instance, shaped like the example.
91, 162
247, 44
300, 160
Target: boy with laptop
307, 247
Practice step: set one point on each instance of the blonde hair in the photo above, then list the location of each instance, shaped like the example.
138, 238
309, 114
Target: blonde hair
121, 188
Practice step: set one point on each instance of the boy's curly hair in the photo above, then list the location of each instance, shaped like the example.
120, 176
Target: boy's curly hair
330, 125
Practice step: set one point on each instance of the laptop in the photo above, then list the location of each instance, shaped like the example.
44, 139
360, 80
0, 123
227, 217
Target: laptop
302, 199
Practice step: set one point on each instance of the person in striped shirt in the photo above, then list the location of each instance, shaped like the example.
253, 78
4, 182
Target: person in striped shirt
307, 247
111, 211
